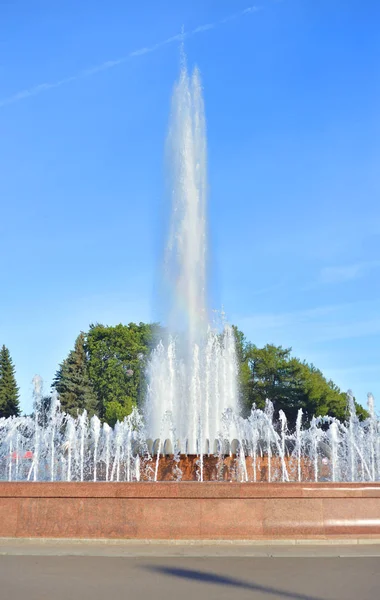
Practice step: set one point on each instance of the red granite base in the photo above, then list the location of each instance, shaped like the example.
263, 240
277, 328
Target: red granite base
230, 469
186, 510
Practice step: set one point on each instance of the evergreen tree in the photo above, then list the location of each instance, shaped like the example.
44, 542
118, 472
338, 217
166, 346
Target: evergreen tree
9, 396
73, 383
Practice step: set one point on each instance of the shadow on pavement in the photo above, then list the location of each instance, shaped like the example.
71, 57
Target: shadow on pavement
204, 577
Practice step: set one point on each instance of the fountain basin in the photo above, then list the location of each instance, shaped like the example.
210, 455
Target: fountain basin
190, 510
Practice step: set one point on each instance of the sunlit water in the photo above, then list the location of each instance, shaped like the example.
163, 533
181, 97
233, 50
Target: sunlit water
54, 446
193, 373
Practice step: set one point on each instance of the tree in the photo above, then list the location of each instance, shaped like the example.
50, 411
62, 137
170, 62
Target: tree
272, 373
9, 392
73, 383
276, 376
117, 364
267, 373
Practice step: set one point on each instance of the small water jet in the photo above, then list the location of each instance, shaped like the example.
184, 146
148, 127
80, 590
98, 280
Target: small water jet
82, 449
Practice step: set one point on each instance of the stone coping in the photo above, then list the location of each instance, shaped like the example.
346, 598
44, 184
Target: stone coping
187, 489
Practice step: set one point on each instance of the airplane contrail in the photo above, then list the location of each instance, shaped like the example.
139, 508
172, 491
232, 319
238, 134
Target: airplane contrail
110, 64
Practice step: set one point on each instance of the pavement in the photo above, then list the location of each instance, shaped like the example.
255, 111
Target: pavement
107, 570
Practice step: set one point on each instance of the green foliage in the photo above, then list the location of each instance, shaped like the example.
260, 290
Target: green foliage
272, 373
361, 412
114, 411
117, 363
9, 394
73, 384
243, 349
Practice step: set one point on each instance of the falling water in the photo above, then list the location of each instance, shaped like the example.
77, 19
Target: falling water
54, 446
334, 437
298, 444
372, 434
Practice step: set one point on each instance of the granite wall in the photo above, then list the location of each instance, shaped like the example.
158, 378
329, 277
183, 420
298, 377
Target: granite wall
188, 510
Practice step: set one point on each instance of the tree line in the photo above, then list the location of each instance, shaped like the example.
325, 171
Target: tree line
105, 374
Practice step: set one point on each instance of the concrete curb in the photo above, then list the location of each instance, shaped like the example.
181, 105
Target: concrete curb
179, 549
160, 542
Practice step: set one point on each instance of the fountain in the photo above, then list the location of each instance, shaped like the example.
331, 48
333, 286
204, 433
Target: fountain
191, 427
56, 447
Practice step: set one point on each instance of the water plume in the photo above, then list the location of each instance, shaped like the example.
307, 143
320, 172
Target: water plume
193, 373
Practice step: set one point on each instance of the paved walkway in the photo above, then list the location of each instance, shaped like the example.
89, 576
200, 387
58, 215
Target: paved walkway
45, 569
189, 578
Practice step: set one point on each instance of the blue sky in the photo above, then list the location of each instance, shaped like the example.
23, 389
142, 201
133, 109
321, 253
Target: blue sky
292, 95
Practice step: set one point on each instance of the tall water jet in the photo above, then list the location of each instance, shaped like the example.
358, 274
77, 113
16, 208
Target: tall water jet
193, 373
186, 251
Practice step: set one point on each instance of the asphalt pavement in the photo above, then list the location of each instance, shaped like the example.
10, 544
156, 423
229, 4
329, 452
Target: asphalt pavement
69, 572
